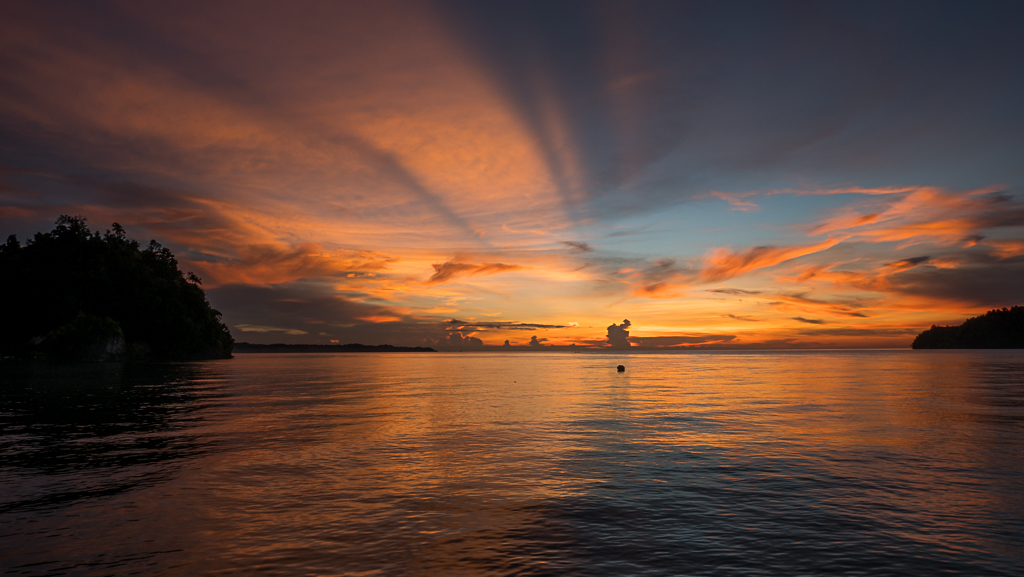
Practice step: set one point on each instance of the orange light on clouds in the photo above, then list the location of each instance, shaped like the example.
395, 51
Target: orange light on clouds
375, 162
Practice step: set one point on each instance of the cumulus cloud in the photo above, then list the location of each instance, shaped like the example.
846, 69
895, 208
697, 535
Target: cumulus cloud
618, 336
535, 342
447, 271
456, 340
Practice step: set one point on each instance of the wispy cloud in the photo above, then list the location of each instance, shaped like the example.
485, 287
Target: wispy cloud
475, 326
578, 246
673, 341
926, 214
447, 271
809, 321
722, 263
246, 328
908, 262
734, 291
743, 318
737, 200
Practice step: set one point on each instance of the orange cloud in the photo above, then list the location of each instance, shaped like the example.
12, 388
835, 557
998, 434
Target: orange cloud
1004, 249
723, 264
447, 271
736, 200
312, 132
662, 279
262, 264
925, 214
380, 319
908, 263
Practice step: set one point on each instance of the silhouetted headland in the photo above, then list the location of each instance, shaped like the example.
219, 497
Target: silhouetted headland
349, 348
997, 329
77, 295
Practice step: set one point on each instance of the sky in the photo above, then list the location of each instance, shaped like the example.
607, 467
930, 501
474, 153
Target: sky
597, 174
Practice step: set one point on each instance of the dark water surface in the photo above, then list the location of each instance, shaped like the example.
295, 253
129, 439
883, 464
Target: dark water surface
796, 463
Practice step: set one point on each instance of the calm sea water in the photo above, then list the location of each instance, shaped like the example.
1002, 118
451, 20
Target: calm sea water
764, 463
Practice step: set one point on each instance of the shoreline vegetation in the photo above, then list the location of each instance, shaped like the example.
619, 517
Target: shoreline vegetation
244, 348
74, 295
997, 329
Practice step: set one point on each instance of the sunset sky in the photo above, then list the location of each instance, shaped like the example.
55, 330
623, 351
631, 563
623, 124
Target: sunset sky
720, 174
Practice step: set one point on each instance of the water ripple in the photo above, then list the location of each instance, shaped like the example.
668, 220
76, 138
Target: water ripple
811, 463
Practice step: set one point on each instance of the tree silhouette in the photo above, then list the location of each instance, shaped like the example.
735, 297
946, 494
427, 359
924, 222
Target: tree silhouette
65, 281
997, 329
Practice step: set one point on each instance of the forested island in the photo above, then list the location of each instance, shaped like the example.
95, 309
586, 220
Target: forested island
77, 295
349, 348
997, 329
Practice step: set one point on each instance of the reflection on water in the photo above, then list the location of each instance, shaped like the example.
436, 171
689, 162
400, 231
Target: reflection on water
868, 462
95, 430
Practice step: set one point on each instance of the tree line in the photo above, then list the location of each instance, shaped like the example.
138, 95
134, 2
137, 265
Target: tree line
75, 294
997, 329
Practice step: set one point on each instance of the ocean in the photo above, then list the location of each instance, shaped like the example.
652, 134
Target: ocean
696, 463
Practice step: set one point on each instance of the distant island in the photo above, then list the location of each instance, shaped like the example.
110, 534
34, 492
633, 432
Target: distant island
349, 348
996, 329
77, 295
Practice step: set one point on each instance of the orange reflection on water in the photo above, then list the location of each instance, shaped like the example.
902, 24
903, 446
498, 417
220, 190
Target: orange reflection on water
511, 463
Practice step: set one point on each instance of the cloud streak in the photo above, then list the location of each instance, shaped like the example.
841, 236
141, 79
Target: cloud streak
722, 264
514, 326
447, 271
674, 341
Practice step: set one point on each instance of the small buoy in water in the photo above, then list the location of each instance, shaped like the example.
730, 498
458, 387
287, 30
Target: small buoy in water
621, 368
